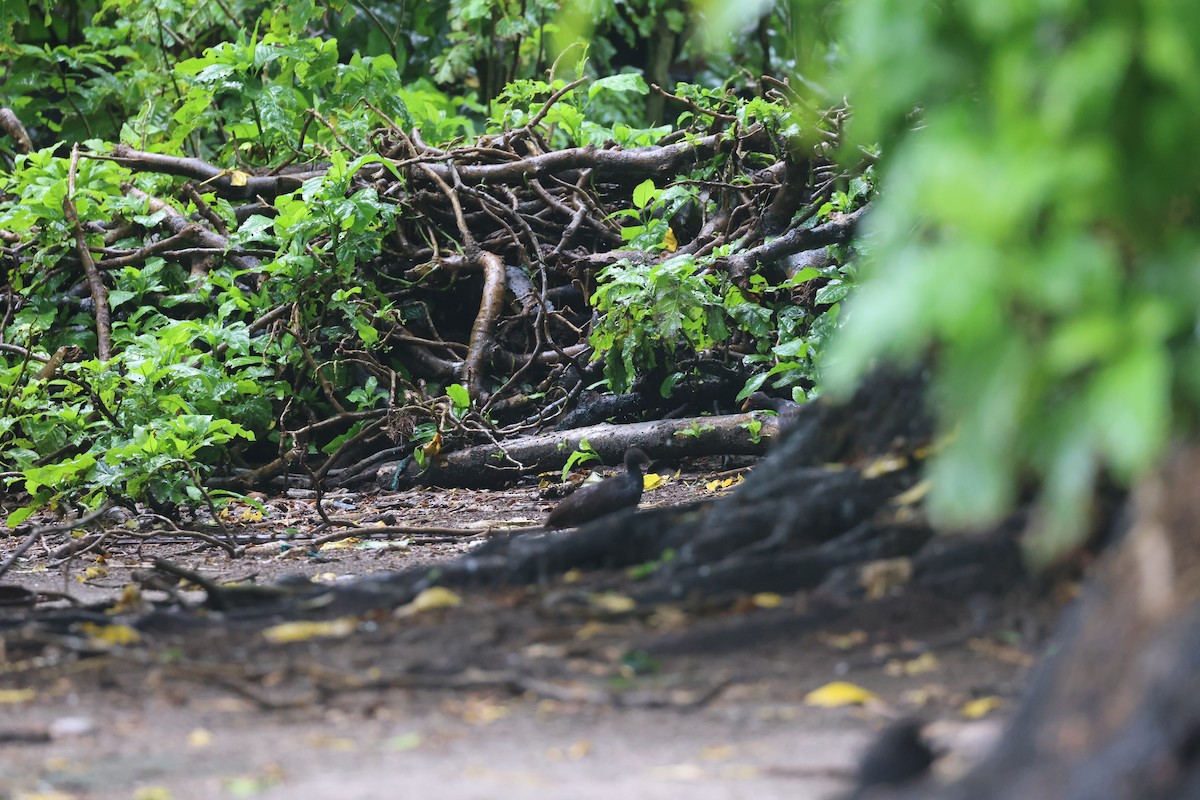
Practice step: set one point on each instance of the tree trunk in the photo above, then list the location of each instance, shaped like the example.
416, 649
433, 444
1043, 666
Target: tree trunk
1116, 712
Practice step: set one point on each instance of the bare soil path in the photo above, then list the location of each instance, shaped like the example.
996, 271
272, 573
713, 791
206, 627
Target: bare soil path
530, 694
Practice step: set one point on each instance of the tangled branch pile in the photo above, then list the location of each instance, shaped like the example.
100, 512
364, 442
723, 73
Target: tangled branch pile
376, 299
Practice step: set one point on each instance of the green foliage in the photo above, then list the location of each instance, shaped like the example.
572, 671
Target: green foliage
754, 428
1039, 227
583, 454
460, 397
265, 95
653, 209
196, 380
694, 431
790, 338
147, 425
594, 114
158, 417
649, 310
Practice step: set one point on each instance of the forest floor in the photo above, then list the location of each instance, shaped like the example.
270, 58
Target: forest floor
547, 693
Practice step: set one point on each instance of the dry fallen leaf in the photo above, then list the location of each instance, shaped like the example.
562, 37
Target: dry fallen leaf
977, 709
613, 603
669, 243
839, 694
572, 752
199, 737
880, 578
109, 635
767, 600
152, 793
130, 601
314, 629
92, 573
842, 641
428, 600
719, 752
926, 662
341, 544
477, 710
718, 485
652, 480
8, 696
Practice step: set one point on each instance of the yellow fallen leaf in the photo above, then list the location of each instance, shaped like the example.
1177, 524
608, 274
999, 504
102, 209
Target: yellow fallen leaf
130, 601
718, 752
926, 662
477, 710
652, 480
767, 600
837, 695
16, 695
717, 485
977, 709
842, 641
152, 793
199, 737
433, 446
238, 178
881, 578
428, 600
613, 603
669, 242
109, 634
338, 744
594, 628
240, 513
340, 544
92, 573
922, 697
314, 629
572, 752
668, 618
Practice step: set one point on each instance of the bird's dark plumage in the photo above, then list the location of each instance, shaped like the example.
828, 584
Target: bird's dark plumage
611, 494
898, 755
787, 411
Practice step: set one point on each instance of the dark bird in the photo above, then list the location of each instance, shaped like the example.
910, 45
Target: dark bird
611, 494
787, 411
899, 754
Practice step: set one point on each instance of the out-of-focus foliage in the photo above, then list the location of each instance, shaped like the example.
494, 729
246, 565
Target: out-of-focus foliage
1036, 235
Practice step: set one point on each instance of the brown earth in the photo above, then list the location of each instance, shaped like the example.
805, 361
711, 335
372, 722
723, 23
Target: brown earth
546, 693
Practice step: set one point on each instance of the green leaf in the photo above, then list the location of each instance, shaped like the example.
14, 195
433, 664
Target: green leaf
625, 82
833, 292
459, 396
644, 193
52, 475
20, 515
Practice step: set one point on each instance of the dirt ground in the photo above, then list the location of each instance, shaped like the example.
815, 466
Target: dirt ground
547, 693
